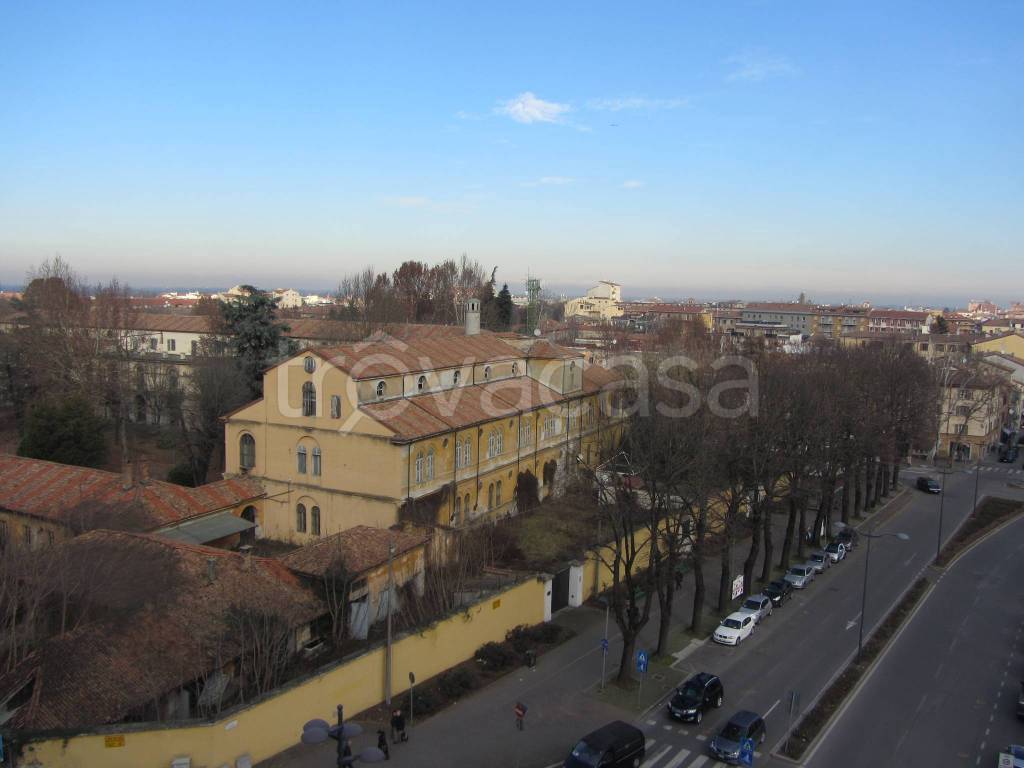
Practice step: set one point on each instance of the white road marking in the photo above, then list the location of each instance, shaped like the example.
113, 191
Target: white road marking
909, 560
701, 737
652, 722
699, 761
652, 760
773, 706
675, 761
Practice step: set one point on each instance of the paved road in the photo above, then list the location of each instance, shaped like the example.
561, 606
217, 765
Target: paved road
945, 692
799, 648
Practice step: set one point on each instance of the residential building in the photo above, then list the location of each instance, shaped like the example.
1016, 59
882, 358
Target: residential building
1006, 343
43, 501
999, 325
974, 411
601, 303
899, 321
436, 427
287, 298
363, 553
159, 642
798, 318
932, 347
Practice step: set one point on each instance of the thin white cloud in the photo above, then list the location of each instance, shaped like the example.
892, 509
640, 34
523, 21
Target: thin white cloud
549, 181
527, 108
632, 184
621, 103
464, 115
754, 67
409, 201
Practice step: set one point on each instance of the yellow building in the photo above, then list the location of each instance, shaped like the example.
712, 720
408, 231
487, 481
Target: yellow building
439, 427
602, 303
1010, 343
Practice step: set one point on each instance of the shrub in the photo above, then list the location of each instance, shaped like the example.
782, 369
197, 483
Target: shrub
520, 638
424, 702
546, 634
181, 474
496, 655
457, 682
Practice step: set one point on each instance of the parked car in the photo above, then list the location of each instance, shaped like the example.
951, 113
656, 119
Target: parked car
836, 551
928, 485
848, 538
743, 725
1012, 757
779, 591
758, 606
735, 628
692, 698
800, 576
819, 560
616, 745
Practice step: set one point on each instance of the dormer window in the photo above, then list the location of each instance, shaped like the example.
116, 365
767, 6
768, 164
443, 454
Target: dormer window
487, 373
515, 369
309, 364
456, 378
421, 383
382, 389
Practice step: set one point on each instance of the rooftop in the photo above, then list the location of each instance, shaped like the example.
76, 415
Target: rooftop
361, 548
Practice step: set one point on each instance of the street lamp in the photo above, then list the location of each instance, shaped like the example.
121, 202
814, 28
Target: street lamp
318, 731
867, 560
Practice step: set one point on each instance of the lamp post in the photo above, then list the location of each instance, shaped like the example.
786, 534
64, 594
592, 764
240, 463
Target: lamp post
867, 559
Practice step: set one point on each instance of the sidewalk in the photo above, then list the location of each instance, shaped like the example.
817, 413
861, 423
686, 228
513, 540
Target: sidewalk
561, 693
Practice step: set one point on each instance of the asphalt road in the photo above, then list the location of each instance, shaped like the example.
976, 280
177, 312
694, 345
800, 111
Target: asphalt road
802, 645
946, 691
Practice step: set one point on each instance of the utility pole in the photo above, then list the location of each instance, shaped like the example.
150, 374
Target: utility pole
387, 655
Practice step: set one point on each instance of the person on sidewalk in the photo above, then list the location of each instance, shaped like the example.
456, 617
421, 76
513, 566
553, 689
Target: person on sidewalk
382, 743
520, 711
399, 722
396, 720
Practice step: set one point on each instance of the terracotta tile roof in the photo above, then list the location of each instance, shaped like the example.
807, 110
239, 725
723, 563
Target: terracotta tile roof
546, 350
596, 378
362, 549
167, 628
633, 308
523, 393
390, 356
68, 495
405, 419
782, 306
898, 314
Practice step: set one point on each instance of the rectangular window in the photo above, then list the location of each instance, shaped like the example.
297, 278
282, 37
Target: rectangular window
314, 521
335, 407
171, 345
195, 347
961, 429
301, 461
152, 342
316, 462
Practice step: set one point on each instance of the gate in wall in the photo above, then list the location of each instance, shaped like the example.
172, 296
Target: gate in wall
560, 590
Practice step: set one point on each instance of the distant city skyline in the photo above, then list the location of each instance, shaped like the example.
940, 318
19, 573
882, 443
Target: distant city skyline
745, 149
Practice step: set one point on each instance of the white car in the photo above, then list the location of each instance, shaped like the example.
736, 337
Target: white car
735, 628
758, 606
836, 551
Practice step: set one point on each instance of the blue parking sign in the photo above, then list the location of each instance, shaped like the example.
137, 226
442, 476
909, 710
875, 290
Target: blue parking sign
747, 752
604, 644
641, 661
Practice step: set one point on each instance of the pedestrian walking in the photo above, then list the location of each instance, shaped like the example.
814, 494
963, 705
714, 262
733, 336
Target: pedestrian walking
396, 720
520, 710
679, 578
382, 743
400, 725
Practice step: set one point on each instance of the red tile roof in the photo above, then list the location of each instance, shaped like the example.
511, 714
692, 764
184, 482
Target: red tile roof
390, 356
361, 548
71, 495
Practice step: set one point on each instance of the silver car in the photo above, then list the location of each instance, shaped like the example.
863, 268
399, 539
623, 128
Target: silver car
836, 551
820, 560
800, 576
759, 606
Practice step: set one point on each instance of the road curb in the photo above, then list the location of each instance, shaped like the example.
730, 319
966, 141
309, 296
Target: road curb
944, 568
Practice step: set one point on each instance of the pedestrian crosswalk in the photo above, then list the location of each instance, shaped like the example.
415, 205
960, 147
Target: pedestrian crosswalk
1002, 470
661, 755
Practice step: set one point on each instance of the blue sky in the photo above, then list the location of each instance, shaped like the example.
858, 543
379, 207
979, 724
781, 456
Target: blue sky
856, 150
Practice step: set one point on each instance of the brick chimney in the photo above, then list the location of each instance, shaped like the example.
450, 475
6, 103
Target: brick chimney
473, 317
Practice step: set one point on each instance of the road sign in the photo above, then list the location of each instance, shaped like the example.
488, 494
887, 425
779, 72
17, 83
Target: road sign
641, 662
737, 587
604, 644
747, 752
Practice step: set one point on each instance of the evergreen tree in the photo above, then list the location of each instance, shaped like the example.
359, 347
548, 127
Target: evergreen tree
504, 308
68, 432
256, 338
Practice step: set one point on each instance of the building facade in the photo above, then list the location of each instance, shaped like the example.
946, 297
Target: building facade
601, 303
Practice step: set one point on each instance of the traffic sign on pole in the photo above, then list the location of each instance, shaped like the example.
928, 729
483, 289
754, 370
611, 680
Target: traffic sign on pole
747, 752
604, 645
641, 662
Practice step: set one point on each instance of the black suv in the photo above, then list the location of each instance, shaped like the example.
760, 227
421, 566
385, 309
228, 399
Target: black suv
779, 591
928, 485
697, 694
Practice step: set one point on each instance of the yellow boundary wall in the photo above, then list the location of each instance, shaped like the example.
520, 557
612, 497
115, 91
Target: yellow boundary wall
274, 724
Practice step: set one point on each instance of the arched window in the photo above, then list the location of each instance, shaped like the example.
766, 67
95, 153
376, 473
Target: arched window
467, 452
515, 369
499, 443
316, 463
309, 364
458, 453
487, 373
300, 459
456, 378
490, 496
458, 510
430, 464
308, 399
300, 518
465, 504
490, 445
419, 468
314, 521
247, 451
421, 383
497, 494
335, 406
382, 389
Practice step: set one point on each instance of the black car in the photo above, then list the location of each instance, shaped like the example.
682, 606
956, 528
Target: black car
616, 745
700, 692
848, 538
728, 743
779, 591
928, 485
